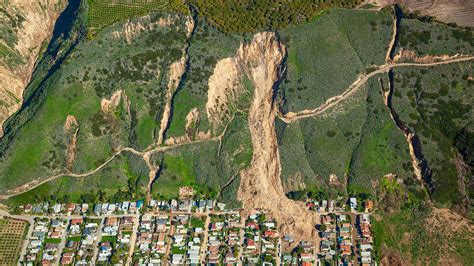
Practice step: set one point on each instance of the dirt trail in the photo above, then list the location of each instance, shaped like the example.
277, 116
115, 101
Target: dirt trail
360, 81
144, 154
260, 186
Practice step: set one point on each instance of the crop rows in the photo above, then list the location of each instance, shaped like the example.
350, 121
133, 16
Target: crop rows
103, 13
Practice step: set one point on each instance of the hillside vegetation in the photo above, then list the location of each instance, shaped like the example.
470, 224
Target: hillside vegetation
252, 16
437, 104
327, 54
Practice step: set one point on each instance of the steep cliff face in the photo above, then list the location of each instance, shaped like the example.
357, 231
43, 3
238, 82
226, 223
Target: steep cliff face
25, 25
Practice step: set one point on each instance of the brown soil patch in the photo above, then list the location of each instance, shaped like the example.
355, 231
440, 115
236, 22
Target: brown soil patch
412, 56
71, 129
260, 186
36, 28
108, 106
176, 72
224, 86
391, 257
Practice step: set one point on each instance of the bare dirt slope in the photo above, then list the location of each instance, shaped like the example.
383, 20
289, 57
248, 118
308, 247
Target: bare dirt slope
260, 186
460, 12
32, 23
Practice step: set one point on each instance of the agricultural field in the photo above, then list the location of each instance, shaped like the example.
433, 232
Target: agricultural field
251, 16
433, 38
12, 234
327, 54
102, 13
436, 104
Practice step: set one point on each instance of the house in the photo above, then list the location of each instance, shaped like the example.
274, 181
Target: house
98, 209
250, 243
28, 208
331, 206
369, 205
252, 225
57, 208
366, 260
84, 207
345, 249
105, 251
70, 207
133, 207
326, 219
306, 257
140, 204
67, 258
76, 221
177, 259
288, 238
125, 206
271, 234
105, 207
111, 208
353, 204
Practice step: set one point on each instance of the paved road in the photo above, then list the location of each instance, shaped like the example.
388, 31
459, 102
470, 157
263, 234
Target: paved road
98, 239
133, 238
25, 241
204, 241
63, 241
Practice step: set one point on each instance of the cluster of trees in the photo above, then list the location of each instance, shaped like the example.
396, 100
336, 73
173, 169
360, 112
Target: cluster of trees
252, 15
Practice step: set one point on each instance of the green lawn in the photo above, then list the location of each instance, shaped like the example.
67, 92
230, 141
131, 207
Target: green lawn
52, 240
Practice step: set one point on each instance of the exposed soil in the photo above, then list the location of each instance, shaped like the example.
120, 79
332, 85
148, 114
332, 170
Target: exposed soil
71, 129
176, 72
109, 106
36, 28
260, 186
391, 257
224, 86
412, 56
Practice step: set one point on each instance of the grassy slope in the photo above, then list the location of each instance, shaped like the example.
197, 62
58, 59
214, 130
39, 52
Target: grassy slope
326, 55
436, 103
410, 233
382, 149
95, 70
109, 180
435, 38
208, 46
203, 167
328, 140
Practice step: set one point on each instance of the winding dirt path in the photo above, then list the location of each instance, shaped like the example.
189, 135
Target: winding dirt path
291, 117
145, 155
